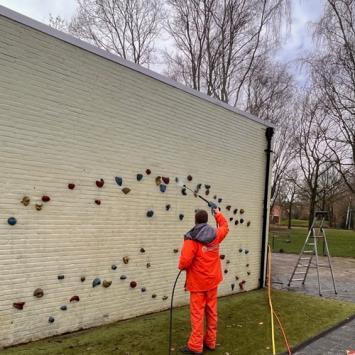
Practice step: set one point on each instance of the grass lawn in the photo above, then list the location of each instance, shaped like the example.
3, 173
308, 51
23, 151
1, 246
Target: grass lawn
341, 242
295, 223
244, 328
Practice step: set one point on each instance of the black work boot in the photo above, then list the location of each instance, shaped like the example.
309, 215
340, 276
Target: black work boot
207, 348
185, 350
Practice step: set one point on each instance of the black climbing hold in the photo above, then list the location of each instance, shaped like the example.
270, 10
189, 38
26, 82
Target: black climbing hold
241, 211
228, 208
142, 250
106, 283
167, 207
241, 220
235, 211
158, 180
240, 250
139, 177
189, 178
113, 267
119, 180
148, 171
148, 265
96, 282
46, 198
74, 299
219, 200
247, 265
50, 319
39, 206
38, 292
12, 221
236, 222
228, 261
207, 187
248, 272
61, 277
166, 180
25, 201
207, 192
98, 202
219, 208
232, 286
82, 278
123, 277
226, 271
150, 213
181, 216
183, 191
133, 284
215, 197
71, 186
248, 223
230, 219
222, 256
162, 188
164, 298
237, 278
100, 183
143, 289
176, 179
63, 308
125, 259
198, 186
154, 295
126, 190
246, 251
19, 305
176, 250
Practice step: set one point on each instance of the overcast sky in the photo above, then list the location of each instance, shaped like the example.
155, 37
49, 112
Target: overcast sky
296, 43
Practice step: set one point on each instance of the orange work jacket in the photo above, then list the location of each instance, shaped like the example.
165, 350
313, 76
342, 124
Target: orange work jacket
201, 261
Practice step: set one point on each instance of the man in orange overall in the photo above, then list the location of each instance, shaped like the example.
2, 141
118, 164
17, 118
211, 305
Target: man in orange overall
201, 261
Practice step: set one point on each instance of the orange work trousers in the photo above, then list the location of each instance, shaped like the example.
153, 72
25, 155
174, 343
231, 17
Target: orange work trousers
203, 306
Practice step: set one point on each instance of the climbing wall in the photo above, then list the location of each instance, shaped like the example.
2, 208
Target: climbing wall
92, 209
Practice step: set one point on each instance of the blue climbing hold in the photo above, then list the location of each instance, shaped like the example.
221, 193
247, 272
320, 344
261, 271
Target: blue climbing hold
119, 180
64, 307
162, 188
96, 282
12, 221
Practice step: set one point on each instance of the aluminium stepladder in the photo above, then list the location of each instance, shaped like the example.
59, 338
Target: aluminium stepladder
309, 251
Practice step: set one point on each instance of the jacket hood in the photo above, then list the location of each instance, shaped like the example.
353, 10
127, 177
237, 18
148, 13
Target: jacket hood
202, 233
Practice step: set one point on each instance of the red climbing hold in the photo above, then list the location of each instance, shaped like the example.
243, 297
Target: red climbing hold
166, 180
46, 198
75, 299
19, 305
71, 186
133, 284
100, 183
98, 202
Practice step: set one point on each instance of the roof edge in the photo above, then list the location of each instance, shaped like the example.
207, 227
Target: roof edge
39, 26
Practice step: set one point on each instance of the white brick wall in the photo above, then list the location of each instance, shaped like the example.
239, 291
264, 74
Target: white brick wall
67, 115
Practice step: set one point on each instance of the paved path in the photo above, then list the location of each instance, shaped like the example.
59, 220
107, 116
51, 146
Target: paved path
341, 339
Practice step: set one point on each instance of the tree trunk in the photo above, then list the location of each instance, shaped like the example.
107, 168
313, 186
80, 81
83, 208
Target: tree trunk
290, 215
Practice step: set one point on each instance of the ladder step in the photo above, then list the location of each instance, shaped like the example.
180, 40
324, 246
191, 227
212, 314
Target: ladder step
307, 251
297, 280
311, 243
300, 272
305, 258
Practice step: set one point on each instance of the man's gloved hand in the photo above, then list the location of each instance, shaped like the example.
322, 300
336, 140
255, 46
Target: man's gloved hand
213, 207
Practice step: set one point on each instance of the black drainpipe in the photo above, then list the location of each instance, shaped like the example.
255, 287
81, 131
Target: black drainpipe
268, 134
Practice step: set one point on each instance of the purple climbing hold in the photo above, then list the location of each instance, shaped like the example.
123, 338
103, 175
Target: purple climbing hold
46, 198
189, 178
96, 282
12, 221
150, 213
162, 188
119, 180
166, 179
139, 177
19, 305
222, 256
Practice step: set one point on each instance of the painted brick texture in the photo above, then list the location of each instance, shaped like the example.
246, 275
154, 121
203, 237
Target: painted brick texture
69, 116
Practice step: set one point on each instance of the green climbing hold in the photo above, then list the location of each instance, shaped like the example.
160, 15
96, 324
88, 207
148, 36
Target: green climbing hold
39, 206
106, 283
38, 292
165, 298
154, 295
148, 265
158, 180
207, 187
25, 201
232, 286
126, 190
96, 282
125, 259
241, 211
248, 223
246, 251
231, 219
176, 250
220, 200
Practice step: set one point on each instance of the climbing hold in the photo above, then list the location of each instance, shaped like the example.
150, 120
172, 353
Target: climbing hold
236, 222
154, 295
98, 202
126, 190
162, 188
226, 271
133, 284
228, 261
143, 289
71, 186
241, 211
198, 186
148, 265
106, 283
248, 272
61, 277
25, 201
228, 208
215, 197
113, 267
150, 213
38, 292
232, 286
82, 278
11, 221
158, 180
207, 186
176, 179
189, 178
50, 319
74, 299
19, 305
231, 219
246, 251
165, 298
237, 278
241, 220
125, 259
167, 207
219, 200
222, 256
139, 177
247, 265
142, 250
39, 206
100, 183
235, 211
207, 192
176, 250
241, 285
46, 198
119, 180
166, 180
64, 307
148, 171
240, 250
123, 277
96, 282
248, 223
181, 216
183, 191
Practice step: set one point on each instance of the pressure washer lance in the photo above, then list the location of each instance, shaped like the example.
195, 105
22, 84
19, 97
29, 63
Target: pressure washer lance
213, 206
